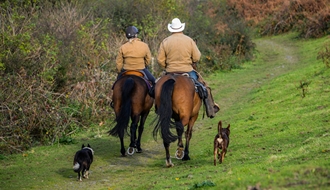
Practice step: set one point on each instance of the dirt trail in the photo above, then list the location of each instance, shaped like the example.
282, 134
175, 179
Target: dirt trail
279, 57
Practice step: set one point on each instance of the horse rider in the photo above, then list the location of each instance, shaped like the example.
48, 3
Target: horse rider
177, 54
134, 55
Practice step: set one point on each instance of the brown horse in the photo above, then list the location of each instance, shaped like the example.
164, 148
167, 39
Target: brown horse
177, 105
131, 100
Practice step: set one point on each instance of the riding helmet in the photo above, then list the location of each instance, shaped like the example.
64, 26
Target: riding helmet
131, 31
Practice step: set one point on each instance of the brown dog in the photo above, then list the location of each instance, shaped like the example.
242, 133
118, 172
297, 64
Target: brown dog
221, 141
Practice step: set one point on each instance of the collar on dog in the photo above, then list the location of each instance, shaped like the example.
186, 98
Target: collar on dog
89, 149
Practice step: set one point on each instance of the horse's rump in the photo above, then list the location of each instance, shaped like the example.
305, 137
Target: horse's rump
184, 93
137, 94
176, 99
131, 102
129, 90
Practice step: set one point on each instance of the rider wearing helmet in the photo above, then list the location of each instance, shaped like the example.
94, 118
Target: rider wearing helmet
134, 55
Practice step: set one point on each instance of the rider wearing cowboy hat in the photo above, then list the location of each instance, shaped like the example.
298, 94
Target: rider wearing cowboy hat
178, 53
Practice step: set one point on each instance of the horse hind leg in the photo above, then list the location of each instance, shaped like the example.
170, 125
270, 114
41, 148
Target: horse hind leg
168, 160
132, 146
140, 131
122, 149
179, 154
188, 135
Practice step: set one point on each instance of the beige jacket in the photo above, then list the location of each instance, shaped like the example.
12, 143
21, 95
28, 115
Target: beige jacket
177, 53
133, 55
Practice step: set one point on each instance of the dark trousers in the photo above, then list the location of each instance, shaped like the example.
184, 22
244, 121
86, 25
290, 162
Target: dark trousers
149, 75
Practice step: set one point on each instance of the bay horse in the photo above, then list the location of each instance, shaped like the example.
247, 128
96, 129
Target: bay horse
177, 105
131, 101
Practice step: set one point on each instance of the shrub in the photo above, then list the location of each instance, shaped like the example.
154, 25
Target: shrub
308, 17
57, 58
325, 55
227, 43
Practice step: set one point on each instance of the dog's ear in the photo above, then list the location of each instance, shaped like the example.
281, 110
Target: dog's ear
219, 127
82, 146
228, 126
220, 123
89, 145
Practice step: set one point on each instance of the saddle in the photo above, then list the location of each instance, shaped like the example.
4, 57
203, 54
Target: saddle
134, 73
200, 88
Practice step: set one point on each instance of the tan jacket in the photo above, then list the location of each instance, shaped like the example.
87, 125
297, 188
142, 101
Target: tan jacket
133, 55
177, 53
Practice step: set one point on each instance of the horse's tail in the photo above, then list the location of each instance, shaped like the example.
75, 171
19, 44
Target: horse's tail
165, 113
125, 109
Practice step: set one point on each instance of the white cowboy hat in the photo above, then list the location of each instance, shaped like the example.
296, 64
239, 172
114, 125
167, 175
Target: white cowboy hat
176, 26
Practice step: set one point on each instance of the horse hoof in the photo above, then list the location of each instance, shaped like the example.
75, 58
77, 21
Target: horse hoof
185, 158
139, 151
130, 151
169, 163
179, 154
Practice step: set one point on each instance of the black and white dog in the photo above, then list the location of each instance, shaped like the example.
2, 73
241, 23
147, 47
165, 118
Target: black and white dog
82, 161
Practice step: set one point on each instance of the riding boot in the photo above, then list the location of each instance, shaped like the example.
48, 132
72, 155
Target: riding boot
211, 107
152, 90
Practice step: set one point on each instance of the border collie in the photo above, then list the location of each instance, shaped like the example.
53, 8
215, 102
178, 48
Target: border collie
82, 161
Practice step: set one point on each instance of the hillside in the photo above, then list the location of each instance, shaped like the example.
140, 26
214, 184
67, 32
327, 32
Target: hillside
280, 135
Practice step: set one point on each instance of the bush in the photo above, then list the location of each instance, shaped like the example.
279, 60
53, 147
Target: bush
227, 43
309, 18
57, 58
325, 55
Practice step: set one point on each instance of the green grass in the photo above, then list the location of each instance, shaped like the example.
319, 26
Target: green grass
279, 139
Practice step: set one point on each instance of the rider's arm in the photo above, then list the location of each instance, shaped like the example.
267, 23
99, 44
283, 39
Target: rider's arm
147, 58
196, 54
161, 58
119, 61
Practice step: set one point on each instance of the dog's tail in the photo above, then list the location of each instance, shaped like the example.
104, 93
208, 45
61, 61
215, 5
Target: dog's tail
76, 167
219, 128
